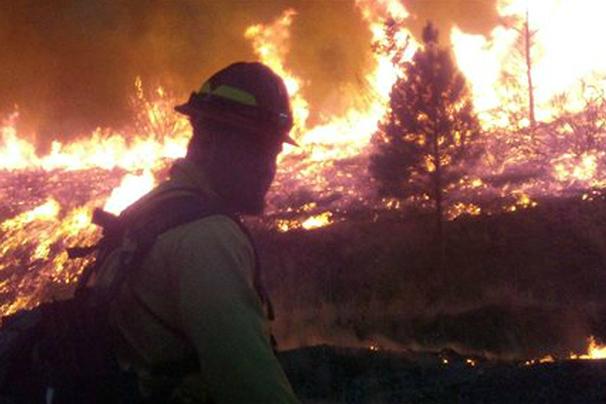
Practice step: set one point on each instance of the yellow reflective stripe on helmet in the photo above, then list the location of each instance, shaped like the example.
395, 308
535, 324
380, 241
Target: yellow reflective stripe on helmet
205, 88
230, 93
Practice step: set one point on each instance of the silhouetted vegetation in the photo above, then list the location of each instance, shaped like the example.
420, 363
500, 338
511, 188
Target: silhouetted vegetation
429, 133
517, 285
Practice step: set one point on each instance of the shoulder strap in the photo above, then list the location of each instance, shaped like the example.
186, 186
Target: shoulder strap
144, 225
258, 274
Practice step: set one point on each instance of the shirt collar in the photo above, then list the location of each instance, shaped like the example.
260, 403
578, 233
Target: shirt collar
186, 174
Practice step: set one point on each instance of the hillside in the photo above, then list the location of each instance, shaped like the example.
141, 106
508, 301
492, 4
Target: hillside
511, 286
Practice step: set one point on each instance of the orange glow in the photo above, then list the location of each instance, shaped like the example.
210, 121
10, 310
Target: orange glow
46, 211
545, 359
158, 136
131, 188
561, 58
594, 351
317, 221
271, 44
461, 208
15, 153
36, 235
569, 168
313, 222
105, 149
45, 231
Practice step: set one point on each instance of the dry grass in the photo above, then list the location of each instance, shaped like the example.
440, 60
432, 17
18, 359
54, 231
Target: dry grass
519, 284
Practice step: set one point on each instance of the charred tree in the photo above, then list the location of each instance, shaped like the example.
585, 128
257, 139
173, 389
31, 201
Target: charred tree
518, 73
527, 38
429, 132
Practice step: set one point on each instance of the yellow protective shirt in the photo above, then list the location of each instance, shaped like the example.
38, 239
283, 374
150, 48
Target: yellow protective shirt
198, 279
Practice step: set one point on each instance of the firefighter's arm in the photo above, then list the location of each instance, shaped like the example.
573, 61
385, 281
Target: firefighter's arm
222, 315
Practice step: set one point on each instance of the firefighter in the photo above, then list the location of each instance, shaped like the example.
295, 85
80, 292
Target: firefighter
192, 323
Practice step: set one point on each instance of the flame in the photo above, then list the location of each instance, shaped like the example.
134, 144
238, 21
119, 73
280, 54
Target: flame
569, 168
131, 188
314, 222
594, 351
105, 149
561, 59
461, 208
523, 200
35, 238
347, 135
15, 153
545, 359
334, 138
38, 238
46, 211
270, 43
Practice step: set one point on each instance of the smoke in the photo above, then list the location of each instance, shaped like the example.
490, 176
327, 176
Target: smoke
70, 65
472, 16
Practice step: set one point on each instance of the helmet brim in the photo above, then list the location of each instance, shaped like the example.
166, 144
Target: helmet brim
186, 109
192, 110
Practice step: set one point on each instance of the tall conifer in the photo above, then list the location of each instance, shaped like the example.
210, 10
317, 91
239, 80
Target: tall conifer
430, 128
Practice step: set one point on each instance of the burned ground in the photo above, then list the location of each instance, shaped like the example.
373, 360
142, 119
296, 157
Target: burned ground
328, 375
511, 286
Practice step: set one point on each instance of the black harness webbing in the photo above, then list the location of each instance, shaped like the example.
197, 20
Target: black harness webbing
143, 224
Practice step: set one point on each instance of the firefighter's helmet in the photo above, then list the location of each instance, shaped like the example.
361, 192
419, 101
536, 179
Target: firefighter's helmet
246, 95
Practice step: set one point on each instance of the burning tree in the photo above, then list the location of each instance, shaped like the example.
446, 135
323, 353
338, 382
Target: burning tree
522, 138
577, 140
523, 59
429, 130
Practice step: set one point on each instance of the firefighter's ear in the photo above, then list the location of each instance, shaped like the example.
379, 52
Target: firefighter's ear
209, 147
202, 143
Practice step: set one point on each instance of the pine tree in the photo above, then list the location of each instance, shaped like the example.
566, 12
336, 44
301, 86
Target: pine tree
429, 131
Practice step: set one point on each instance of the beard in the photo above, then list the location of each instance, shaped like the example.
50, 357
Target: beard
249, 201
242, 174
243, 194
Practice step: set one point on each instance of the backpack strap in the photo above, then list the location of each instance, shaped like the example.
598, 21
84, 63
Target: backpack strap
144, 223
258, 274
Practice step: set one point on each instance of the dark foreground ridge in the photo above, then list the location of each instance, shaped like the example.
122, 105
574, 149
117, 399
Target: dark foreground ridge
326, 374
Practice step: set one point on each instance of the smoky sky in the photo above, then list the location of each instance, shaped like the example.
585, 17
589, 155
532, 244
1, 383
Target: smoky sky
70, 65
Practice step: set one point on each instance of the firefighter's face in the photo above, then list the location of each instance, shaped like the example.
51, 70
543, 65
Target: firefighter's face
245, 170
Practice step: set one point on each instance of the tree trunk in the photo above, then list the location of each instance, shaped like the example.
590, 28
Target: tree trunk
527, 46
438, 199
439, 216
438, 283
